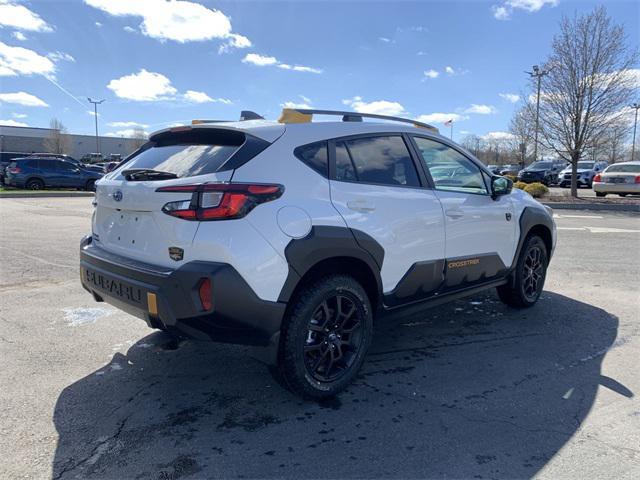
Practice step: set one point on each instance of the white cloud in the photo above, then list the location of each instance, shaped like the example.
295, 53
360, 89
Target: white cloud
142, 86
385, 40
259, 60
12, 123
268, 61
379, 107
201, 97
130, 125
431, 73
58, 56
129, 29
98, 24
18, 16
510, 97
421, 53
19, 36
306, 103
19, 115
197, 97
235, 41
481, 109
127, 133
441, 117
449, 70
22, 98
22, 61
504, 10
92, 113
497, 136
180, 21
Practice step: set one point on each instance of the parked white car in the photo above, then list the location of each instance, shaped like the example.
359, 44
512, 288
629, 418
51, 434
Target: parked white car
622, 178
293, 236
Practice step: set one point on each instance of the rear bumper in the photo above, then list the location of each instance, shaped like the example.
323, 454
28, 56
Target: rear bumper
633, 188
168, 299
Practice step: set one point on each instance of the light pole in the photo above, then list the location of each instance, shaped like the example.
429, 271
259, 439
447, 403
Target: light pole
95, 114
537, 74
636, 106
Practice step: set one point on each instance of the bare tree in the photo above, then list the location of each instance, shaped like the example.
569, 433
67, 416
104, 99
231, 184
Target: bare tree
58, 140
473, 143
139, 137
522, 127
588, 85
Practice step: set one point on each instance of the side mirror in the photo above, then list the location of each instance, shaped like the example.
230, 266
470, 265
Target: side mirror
500, 186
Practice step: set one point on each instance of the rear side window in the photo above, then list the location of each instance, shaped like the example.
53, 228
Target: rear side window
383, 160
314, 156
345, 171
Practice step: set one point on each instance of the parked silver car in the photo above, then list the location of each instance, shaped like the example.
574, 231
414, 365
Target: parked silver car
622, 178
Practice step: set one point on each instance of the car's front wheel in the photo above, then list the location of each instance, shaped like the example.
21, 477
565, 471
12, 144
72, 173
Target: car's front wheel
90, 186
325, 337
525, 285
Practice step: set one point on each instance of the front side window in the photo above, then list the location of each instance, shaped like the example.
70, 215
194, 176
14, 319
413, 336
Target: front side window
450, 169
381, 160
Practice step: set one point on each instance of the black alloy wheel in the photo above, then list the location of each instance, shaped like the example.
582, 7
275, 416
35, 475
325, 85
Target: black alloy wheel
334, 337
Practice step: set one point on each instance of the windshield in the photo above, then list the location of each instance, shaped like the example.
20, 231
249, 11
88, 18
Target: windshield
585, 165
539, 166
182, 160
628, 168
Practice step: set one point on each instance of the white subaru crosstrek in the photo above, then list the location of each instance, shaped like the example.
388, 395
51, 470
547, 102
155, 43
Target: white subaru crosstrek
295, 236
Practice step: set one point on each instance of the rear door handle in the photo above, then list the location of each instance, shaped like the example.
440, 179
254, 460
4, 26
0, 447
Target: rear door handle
361, 206
454, 214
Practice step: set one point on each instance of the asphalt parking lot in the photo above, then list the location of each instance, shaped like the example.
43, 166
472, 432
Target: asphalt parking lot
468, 390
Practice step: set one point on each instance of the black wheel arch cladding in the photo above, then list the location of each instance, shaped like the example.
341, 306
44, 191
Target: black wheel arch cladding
326, 243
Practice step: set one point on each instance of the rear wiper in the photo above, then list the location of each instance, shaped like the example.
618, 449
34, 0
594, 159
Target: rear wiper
147, 174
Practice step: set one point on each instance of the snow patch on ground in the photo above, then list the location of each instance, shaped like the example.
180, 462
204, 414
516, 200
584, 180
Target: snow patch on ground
76, 317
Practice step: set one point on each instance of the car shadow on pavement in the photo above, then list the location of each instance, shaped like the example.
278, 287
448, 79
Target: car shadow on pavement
472, 389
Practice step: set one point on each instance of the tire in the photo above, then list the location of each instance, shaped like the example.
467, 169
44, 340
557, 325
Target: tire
90, 186
34, 184
314, 360
525, 287
601, 194
563, 185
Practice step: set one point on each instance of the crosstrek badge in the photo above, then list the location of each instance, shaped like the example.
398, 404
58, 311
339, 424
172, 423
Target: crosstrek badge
176, 253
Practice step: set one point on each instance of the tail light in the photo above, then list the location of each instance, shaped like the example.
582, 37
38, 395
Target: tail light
637, 179
597, 178
14, 170
219, 201
204, 292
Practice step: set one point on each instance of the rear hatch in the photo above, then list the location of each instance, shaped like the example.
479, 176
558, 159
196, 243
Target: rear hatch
129, 219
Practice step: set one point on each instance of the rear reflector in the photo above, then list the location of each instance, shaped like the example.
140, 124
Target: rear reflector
152, 304
637, 179
204, 292
219, 201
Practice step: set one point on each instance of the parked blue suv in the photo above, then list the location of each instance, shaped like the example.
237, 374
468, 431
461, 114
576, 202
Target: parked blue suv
38, 173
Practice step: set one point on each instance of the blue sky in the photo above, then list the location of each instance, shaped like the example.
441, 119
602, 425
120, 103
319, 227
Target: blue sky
157, 64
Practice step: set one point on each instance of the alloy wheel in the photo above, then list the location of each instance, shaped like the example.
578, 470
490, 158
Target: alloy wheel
334, 337
533, 273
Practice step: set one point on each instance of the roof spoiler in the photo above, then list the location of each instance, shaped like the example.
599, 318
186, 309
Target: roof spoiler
305, 115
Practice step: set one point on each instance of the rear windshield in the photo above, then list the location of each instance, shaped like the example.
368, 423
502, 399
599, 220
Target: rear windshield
183, 160
187, 153
624, 168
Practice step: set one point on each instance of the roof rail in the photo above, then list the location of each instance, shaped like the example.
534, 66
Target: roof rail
305, 115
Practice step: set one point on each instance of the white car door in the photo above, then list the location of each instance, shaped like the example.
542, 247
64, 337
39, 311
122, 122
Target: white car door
480, 230
377, 189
